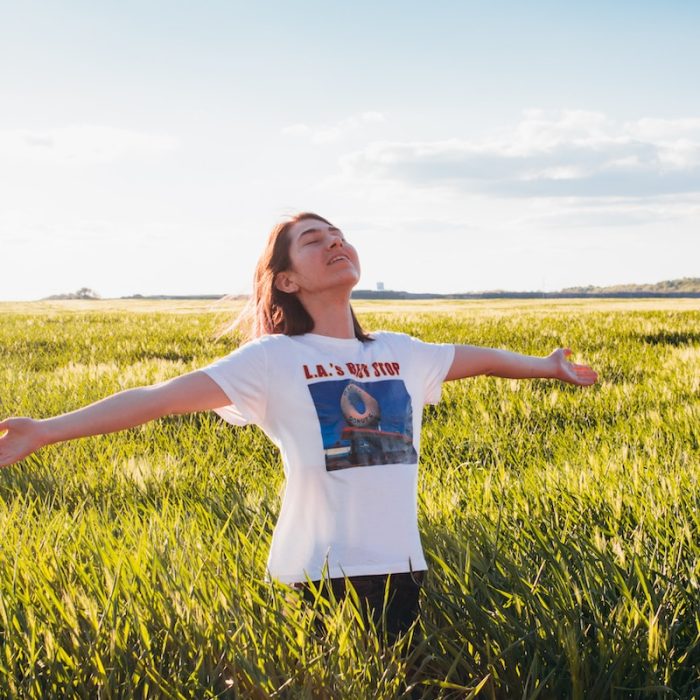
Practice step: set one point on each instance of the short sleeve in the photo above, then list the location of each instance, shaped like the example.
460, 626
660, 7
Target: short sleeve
431, 362
243, 377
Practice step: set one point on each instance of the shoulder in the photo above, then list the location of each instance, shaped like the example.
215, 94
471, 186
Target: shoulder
393, 338
388, 335
274, 340
253, 351
265, 343
398, 343
415, 347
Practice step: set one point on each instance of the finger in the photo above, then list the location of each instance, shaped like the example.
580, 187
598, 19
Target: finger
588, 377
581, 371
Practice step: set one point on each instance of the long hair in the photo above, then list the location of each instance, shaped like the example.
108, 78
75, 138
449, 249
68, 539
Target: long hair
270, 310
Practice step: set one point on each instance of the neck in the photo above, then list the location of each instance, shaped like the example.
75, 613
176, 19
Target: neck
331, 314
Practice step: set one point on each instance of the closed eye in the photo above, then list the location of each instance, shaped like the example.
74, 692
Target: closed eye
312, 233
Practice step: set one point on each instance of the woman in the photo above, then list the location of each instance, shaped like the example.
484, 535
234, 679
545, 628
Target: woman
343, 406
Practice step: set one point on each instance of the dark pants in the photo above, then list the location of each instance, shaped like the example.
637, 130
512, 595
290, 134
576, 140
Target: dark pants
402, 606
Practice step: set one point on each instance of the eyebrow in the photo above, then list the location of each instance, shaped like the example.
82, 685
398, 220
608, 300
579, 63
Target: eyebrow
316, 230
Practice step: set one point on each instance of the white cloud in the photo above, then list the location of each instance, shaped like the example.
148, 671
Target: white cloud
603, 214
81, 144
664, 129
571, 154
326, 133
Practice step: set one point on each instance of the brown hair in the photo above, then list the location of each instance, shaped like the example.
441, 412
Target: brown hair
270, 310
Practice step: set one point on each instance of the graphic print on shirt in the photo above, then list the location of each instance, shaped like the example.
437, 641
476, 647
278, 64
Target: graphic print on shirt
364, 423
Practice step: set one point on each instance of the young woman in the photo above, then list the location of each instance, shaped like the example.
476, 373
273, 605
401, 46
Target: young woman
343, 406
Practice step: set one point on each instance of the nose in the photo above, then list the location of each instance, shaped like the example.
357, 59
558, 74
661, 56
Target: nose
335, 240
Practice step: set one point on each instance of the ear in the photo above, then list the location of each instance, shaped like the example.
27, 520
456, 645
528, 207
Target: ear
286, 284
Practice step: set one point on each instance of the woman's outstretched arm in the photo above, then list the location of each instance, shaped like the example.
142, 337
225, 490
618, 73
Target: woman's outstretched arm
185, 394
471, 361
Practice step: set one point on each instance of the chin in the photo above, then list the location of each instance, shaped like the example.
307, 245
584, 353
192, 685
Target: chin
349, 275
350, 283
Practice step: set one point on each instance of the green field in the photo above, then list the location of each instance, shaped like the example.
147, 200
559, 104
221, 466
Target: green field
561, 524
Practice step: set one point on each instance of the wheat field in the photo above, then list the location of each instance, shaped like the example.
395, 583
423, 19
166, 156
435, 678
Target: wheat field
561, 524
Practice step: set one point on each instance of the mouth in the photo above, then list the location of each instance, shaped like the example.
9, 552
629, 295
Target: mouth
338, 258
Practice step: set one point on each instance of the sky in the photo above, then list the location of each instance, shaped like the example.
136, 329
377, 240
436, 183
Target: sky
149, 147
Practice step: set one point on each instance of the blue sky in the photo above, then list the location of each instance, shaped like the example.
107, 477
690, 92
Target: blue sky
149, 147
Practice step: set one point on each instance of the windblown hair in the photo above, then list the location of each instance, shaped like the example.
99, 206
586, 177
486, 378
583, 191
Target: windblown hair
270, 310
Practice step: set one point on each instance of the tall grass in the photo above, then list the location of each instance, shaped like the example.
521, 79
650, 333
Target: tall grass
560, 524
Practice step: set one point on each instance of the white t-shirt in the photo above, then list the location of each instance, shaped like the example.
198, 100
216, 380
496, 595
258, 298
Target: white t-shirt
346, 416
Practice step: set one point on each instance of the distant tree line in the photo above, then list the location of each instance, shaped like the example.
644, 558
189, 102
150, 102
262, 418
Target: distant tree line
82, 293
686, 286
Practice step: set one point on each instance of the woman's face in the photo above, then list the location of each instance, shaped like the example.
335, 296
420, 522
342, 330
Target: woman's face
321, 257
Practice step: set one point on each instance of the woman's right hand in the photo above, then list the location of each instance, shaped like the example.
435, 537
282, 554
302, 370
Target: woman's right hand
23, 436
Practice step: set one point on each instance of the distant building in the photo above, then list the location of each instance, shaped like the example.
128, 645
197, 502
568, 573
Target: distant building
380, 286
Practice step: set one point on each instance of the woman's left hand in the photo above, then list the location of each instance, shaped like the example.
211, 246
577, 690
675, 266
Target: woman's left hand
565, 371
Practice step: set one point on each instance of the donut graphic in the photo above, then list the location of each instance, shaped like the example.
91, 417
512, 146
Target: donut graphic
359, 408
364, 423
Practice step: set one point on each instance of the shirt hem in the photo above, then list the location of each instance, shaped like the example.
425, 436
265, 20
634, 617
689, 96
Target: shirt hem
358, 570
